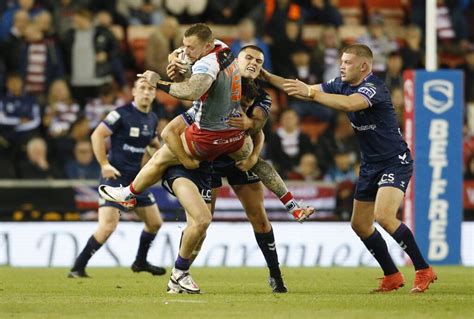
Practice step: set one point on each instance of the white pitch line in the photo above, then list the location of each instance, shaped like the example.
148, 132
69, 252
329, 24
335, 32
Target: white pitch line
185, 301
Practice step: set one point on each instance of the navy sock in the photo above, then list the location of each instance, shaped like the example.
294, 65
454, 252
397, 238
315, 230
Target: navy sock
378, 248
182, 263
89, 250
406, 240
266, 242
145, 243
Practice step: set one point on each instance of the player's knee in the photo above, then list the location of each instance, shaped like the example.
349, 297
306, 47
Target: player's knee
202, 224
107, 229
360, 229
384, 220
154, 226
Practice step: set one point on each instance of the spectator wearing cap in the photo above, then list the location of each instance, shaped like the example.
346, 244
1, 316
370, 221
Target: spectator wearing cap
378, 42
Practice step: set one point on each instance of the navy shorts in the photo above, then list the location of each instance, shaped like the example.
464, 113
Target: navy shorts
201, 177
145, 198
394, 172
224, 166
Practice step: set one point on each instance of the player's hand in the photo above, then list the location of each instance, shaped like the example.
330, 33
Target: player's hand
189, 162
150, 76
173, 73
264, 75
242, 122
247, 164
296, 87
108, 171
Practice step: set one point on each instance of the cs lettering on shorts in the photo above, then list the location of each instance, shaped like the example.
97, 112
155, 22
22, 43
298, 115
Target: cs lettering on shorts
387, 179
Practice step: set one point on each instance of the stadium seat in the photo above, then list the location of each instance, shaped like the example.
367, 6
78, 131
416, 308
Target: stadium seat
351, 11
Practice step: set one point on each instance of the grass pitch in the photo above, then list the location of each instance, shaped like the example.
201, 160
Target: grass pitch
231, 293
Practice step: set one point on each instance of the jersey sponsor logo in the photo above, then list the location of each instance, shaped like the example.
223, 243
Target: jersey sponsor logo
112, 117
439, 206
364, 127
367, 90
251, 176
206, 195
133, 149
134, 132
387, 179
438, 95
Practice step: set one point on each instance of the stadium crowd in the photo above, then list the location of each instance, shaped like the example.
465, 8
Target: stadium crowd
65, 64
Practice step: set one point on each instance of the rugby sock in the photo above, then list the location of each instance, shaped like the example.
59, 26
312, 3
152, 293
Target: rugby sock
182, 263
132, 190
266, 242
89, 250
289, 201
378, 248
145, 243
406, 240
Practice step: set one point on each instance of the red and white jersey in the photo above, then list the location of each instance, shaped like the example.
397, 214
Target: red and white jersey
222, 100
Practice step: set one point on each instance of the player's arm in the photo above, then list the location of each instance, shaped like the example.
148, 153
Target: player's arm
258, 142
191, 89
279, 82
251, 125
171, 134
98, 141
352, 103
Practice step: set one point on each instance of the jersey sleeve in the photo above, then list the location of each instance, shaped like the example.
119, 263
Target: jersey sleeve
113, 120
264, 102
207, 65
332, 86
371, 93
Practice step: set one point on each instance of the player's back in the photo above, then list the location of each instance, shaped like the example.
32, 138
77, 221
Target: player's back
222, 100
132, 130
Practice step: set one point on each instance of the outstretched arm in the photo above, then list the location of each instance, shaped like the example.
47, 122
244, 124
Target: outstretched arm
352, 103
279, 82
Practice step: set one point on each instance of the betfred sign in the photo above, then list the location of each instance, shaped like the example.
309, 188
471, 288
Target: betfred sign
433, 126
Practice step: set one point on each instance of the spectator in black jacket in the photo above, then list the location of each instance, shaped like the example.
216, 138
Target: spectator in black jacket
288, 144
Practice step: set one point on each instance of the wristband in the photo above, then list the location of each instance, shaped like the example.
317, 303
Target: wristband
164, 86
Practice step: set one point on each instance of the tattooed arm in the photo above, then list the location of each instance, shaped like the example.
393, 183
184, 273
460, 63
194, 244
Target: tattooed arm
270, 178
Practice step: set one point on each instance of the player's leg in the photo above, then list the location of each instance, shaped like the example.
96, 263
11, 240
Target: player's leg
387, 203
362, 223
198, 218
273, 181
108, 219
152, 219
251, 197
244, 151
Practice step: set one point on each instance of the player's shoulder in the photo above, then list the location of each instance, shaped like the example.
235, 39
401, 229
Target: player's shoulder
373, 81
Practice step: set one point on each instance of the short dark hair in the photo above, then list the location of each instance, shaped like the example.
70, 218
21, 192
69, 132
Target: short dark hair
249, 88
360, 50
201, 31
252, 47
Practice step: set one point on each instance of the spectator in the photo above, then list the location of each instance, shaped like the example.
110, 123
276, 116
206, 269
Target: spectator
63, 12
398, 104
44, 22
307, 169
11, 49
323, 12
393, 75
223, 11
99, 107
187, 11
247, 36
378, 42
326, 53
83, 166
6, 21
92, 56
412, 52
20, 120
40, 62
288, 144
277, 15
142, 12
163, 40
281, 50
61, 110
36, 164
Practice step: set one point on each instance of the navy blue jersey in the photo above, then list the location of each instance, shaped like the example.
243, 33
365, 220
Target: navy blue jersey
376, 127
132, 130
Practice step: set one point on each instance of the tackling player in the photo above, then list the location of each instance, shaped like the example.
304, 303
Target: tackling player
386, 165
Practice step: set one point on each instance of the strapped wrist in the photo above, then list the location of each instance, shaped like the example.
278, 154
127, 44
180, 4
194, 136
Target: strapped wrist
164, 86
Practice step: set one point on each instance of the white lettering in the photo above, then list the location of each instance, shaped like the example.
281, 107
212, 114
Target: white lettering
438, 211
